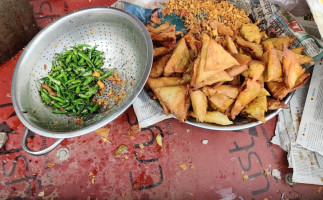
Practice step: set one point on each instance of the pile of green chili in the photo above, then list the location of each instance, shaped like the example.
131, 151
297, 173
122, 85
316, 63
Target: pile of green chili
74, 79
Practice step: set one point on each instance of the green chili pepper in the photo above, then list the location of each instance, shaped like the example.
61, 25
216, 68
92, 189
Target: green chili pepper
54, 80
98, 62
95, 108
99, 71
69, 57
57, 99
72, 87
56, 104
78, 89
45, 98
82, 45
57, 111
61, 63
87, 73
100, 65
90, 52
84, 96
104, 76
88, 80
85, 57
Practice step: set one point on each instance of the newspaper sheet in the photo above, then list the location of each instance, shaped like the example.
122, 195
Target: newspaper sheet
310, 131
306, 167
316, 7
310, 27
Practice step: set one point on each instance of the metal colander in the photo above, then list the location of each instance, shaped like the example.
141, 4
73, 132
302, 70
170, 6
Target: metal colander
126, 45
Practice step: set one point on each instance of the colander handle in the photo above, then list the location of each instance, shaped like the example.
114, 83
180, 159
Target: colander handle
41, 152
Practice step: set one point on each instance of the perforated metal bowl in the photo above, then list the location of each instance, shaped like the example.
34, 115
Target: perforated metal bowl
126, 45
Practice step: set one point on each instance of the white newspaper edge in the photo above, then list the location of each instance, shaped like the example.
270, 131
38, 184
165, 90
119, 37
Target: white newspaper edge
309, 137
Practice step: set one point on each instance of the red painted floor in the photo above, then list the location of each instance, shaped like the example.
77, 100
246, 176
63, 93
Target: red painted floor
231, 166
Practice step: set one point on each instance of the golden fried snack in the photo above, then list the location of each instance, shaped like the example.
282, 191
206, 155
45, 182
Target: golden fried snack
255, 71
199, 104
257, 108
301, 59
158, 66
158, 29
236, 70
279, 89
251, 33
221, 28
223, 96
214, 117
167, 37
154, 83
298, 50
291, 69
175, 98
274, 104
250, 90
252, 48
160, 51
243, 59
179, 60
274, 69
278, 43
230, 45
192, 45
218, 59
201, 77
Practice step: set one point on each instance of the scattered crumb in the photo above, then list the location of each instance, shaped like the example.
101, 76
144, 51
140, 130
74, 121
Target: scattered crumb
134, 129
104, 131
319, 190
120, 150
126, 157
192, 167
188, 130
88, 198
275, 173
55, 123
265, 198
79, 121
50, 165
141, 146
41, 194
90, 1
191, 194
123, 194
55, 46
242, 172
93, 180
132, 137
205, 141
245, 177
312, 163
91, 174
159, 140
105, 140
9, 94
266, 172
183, 166
45, 67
